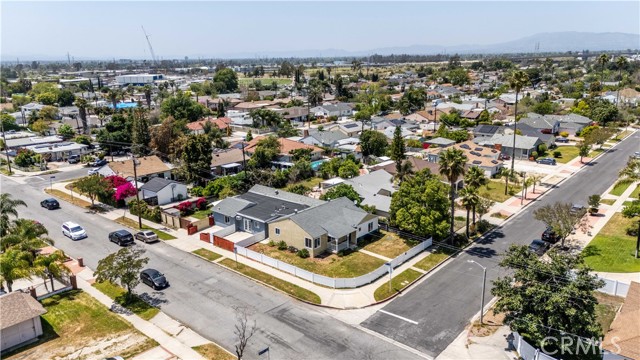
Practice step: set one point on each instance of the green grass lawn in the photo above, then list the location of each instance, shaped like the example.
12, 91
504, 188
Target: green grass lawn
568, 153
636, 193
138, 306
398, 283
612, 250
607, 201
213, 352
73, 320
594, 153
433, 259
619, 189
310, 183
201, 214
264, 81
389, 244
207, 254
348, 266
287, 287
494, 190
134, 225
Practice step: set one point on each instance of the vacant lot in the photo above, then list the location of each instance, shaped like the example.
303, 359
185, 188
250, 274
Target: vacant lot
77, 326
389, 244
348, 266
612, 250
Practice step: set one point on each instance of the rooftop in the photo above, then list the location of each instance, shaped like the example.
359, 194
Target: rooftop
17, 307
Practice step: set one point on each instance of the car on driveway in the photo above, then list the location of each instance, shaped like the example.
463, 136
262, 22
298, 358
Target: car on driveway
146, 236
561, 139
549, 235
50, 204
73, 159
539, 247
73, 231
93, 171
121, 237
546, 161
153, 278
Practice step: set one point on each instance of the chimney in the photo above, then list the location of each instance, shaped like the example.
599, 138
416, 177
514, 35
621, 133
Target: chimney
497, 147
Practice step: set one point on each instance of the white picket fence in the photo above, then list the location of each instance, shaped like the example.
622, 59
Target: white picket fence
614, 287
336, 283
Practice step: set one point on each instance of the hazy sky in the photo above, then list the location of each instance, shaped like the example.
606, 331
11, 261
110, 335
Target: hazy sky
89, 29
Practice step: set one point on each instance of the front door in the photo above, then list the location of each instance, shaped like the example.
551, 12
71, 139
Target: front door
247, 225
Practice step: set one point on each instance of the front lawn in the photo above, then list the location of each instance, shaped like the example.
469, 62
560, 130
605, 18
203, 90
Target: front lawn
398, 283
287, 287
612, 250
75, 321
636, 193
134, 225
494, 190
569, 152
389, 244
207, 254
137, 306
619, 189
347, 266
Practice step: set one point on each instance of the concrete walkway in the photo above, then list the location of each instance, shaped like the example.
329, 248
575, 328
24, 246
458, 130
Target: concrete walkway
492, 347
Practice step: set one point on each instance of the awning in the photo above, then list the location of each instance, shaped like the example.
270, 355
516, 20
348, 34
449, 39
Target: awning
232, 165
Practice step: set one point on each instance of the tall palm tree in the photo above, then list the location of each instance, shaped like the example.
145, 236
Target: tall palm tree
452, 163
14, 265
475, 178
26, 235
51, 266
630, 173
603, 59
147, 95
8, 207
405, 171
621, 63
82, 112
469, 199
518, 80
113, 95
314, 97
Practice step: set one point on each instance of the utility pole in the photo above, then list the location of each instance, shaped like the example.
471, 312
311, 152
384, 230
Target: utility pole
484, 283
6, 147
135, 177
524, 187
244, 162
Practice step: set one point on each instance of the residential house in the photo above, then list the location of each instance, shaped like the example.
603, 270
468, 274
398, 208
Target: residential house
159, 191
487, 131
390, 131
523, 129
147, 167
326, 138
545, 124
622, 341
439, 142
351, 128
524, 145
23, 139
59, 151
227, 161
296, 114
247, 106
573, 123
19, 319
197, 127
327, 110
333, 226
375, 189
486, 158
417, 164
285, 159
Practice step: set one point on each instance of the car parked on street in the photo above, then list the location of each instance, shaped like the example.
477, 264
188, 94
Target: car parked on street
73, 231
577, 208
93, 171
549, 235
546, 161
50, 204
539, 247
98, 163
153, 278
121, 237
146, 236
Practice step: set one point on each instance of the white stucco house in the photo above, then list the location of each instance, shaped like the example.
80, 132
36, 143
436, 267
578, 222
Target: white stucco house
19, 319
161, 191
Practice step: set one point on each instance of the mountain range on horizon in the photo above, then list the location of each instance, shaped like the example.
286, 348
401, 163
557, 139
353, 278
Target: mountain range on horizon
544, 42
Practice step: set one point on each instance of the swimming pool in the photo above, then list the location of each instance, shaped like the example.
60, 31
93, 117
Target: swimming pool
315, 165
126, 105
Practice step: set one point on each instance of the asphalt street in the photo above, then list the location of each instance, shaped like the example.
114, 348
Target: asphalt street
430, 316
203, 296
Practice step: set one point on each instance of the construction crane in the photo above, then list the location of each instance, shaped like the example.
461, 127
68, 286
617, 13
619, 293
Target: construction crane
153, 55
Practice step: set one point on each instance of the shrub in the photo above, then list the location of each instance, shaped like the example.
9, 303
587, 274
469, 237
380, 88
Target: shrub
344, 252
179, 197
632, 230
141, 207
196, 191
282, 245
292, 249
271, 243
304, 253
542, 149
483, 226
534, 154
201, 203
557, 154
564, 134
185, 208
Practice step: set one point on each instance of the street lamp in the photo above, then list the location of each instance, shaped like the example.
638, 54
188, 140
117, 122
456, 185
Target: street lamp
524, 187
484, 282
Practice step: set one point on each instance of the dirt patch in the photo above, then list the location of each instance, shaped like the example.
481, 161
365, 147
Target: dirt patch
491, 323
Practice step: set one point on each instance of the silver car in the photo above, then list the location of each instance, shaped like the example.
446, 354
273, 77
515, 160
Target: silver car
146, 236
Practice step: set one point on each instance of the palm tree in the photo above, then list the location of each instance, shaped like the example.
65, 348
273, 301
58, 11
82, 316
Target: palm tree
452, 163
14, 265
518, 80
405, 171
621, 63
506, 173
469, 198
314, 97
26, 235
147, 95
475, 178
51, 266
603, 59
535, 179
113, 95
82, 112
630, 173
8, 207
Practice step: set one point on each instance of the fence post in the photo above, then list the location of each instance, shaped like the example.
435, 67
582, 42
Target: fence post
615, 287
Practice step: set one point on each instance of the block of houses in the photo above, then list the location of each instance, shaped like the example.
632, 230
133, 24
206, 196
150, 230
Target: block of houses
19, 319
327, 110
59, 151
285, 159
147, 168
326, 138
417, 164
545, 124
159, 191
227, 161
295, 114
524, 145
197, 127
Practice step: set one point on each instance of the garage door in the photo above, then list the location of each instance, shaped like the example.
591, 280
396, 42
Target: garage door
18, 334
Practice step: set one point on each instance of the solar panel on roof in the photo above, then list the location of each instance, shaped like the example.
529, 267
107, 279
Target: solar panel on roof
494, 161
349, 126
477, 162
478, 149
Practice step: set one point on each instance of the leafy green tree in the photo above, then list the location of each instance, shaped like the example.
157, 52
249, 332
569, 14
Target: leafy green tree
48, 113
546, 299
123, 268
47, 98
266, 150
630, 173
560, 217
196, 157
452, 162
93, 186
51, 266
140, 136
249, 136
301, 170
475, 178
82, 139
397, 148
373, 143
287, 130
66, 98
406, 170
298, 154
342, 190
348, 169
9, 122
598, 136
633, 211
227, 80
182, 108
66, 131
420, 205
544, 108
459, 76
583, 150
265, 118
14, 265
8, 209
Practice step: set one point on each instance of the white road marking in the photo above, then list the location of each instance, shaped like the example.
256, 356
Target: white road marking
399, 317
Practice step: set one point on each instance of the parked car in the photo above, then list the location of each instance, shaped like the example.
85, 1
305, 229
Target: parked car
561, 139
98, 162
546, 161
636, 154
577, 208
50, 204
549, 235
93, 171
153, 278
146, 236
73, 231
504, 157
539, 247
73, 159
121, 237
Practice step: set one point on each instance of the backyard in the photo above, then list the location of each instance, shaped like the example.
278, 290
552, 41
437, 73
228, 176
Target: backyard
389, 244
606, 309
612, 250
494, 190
351, 265
568, 152
77, 325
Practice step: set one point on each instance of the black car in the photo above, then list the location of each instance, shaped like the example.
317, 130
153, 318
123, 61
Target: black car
153, 278
121, 237
546, 161
50, 204
539, 247
100, 162
550, 236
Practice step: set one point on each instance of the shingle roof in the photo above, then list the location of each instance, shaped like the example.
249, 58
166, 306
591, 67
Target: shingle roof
156, 184
267, 208
522, 142
231, 206
623, 337
374, 188
486, 129
539, 122
17, 307
327, 137
147, 165
284, 195
336, 218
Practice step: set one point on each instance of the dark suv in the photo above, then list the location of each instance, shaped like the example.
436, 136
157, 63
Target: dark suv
50, 204
121, 237
549, 235
153, 278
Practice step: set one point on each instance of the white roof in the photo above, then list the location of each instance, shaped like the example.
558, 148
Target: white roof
49, 148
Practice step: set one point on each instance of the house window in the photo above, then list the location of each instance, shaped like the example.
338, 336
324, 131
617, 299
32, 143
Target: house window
307, 243
316, 243
370, 227
226, 220
277, 231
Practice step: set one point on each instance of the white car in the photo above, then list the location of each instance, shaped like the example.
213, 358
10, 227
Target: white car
73, 231
93, 171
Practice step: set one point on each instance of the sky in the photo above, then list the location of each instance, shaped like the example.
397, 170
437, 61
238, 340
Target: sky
105, 30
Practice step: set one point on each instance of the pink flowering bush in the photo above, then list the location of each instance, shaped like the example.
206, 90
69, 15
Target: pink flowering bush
201, 203
124, 191
116, 181
185, 207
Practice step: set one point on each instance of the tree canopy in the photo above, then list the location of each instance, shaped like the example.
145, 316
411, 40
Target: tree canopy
342, 190
123, 267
